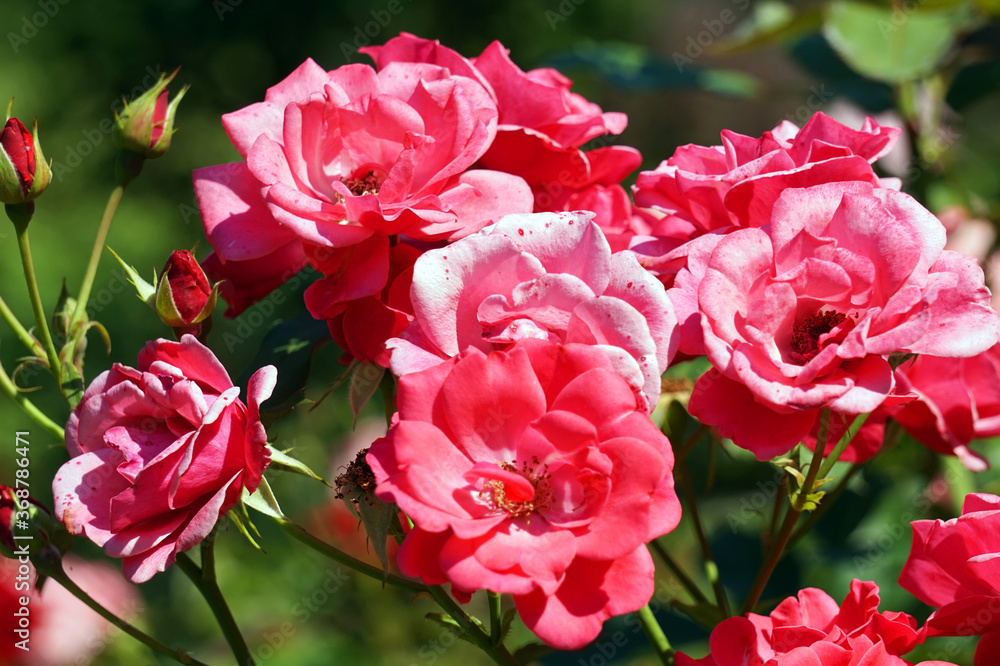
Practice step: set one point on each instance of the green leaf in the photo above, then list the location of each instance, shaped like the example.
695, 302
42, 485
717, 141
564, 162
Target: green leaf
288, 346
448, 622
145, 290
239, 517
770, 23
378, 518
892, 45
364, 382
263, 500
281, 460
506, 622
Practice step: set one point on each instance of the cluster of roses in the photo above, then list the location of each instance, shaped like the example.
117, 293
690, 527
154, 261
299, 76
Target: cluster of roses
440, 199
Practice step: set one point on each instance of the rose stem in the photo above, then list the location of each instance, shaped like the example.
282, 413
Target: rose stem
204, 579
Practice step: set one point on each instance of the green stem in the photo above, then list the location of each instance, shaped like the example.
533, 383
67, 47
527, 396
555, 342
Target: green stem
496, 617
204, 579
711, 570
686, 448
656, 636
20, 331
827, 502
679, 573
45, 337
60, 577
95, 256
498, 653
8, 386
795, 509
838, 450
348, 561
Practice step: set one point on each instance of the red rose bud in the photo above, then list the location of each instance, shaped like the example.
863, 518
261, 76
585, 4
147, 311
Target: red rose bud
7, 509
145, 125
24, 174
184, 296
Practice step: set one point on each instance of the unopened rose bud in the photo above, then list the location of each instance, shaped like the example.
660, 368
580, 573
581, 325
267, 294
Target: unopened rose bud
146, 124
184, 297
24, 174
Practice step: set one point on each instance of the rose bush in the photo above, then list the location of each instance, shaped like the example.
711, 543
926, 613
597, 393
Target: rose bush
546, 275
802, 314
519, 482
159, 453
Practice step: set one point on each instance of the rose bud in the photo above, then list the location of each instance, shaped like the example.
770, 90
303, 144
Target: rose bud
184, 297
7, 509
145, 125
24, 174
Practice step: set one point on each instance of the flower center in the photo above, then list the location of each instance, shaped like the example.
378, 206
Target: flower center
364, 181
496, 493
805, 336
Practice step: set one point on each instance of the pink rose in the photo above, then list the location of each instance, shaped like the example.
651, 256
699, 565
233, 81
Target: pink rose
703, 188
542, 126
954, 566
958, 401
519, 482
333, 158
160, 453
547, 275
803, 313
810, 630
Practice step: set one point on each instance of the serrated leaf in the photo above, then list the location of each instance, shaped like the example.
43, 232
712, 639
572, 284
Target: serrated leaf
378, 518
145, 290
288, 346
449, 623
506, 622
892, 45
364, 382
263, 500
281, 460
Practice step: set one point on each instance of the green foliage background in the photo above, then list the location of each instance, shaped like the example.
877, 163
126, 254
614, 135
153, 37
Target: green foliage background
682, 70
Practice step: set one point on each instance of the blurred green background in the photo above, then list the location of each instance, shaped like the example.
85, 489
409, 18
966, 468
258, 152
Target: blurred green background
682, 70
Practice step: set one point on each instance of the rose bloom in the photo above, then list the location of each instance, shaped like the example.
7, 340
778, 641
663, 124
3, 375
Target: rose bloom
519, 482
542, 127
159, 453
802, 314
954, 566
547, 275
700, 189
333, 158
958, 401
810, 630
